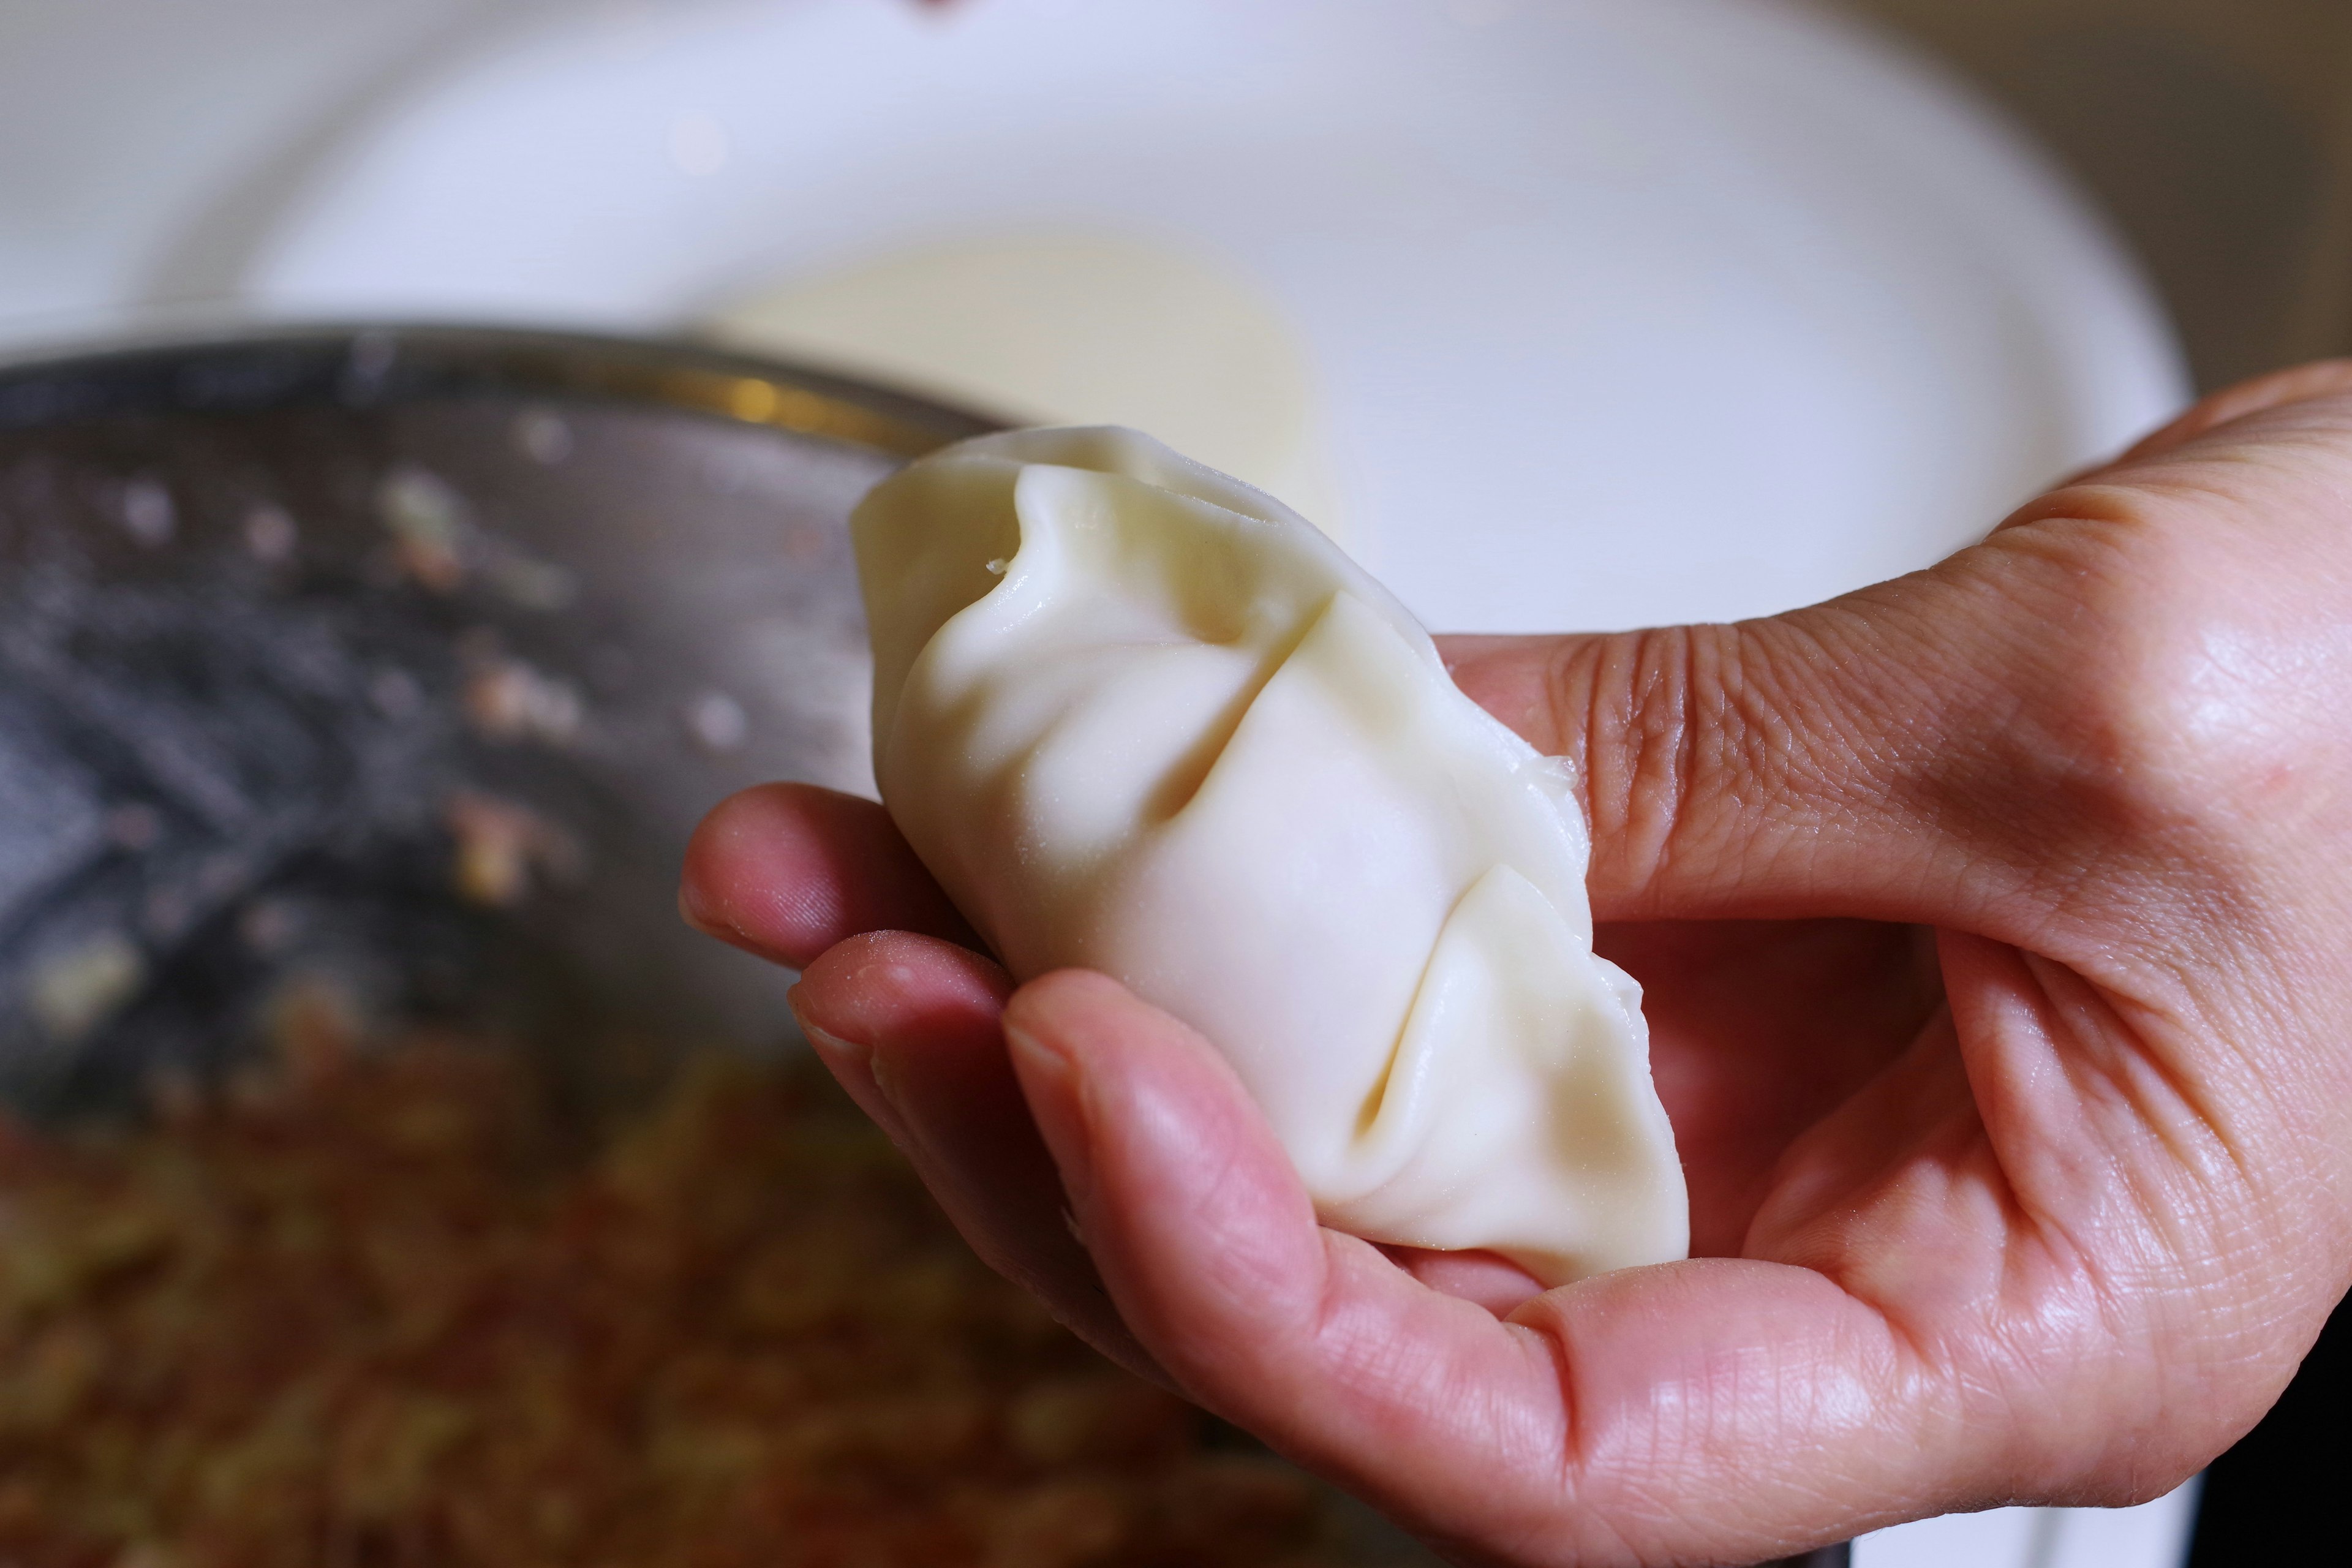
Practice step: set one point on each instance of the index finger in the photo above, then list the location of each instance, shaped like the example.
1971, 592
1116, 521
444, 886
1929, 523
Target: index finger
1721, 1410
786, 870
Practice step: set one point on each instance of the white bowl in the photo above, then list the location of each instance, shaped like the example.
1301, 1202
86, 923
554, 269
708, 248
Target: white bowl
1622, 311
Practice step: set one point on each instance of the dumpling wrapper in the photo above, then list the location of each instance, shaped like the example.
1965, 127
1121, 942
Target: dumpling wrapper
1138, 717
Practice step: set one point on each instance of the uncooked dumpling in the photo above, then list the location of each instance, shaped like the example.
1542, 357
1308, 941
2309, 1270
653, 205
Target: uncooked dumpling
1139, 718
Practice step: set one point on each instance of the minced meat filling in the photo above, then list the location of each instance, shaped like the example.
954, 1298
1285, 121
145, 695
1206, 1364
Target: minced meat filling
372, 1312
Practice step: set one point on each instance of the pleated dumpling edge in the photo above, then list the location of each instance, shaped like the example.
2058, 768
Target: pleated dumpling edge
1135, 717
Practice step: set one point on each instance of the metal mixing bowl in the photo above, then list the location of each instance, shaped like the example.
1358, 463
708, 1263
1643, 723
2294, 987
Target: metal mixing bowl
406, 659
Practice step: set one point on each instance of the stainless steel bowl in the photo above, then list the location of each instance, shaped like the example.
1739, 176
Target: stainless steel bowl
406, 659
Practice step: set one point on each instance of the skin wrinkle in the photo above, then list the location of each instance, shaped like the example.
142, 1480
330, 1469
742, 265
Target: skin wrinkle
2086, 1301
1912, 1323
2168, 1003
1335, 1325
2127, 1070
2049, 1253
1824, 698
1361, 1374
2245, 1371
1925, 1044
1759, 1378
2228, 676
1648, 808
1919, 1329
2100, 1283
1646, 813
2000, 1389
1629, 1480
1629, 804
2038, 1275
1530, 1418
1207, 1212
1832, 1405
1866, 1398
1768, 747
2024, 1043
1022, 1259
1246, 1297
1406, 1383
1574, 1455
1800, 781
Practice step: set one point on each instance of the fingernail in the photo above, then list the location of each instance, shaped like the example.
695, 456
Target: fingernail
861, 1070
852, 1063
1052, 1082
840, 1055
691, 910
886, 1084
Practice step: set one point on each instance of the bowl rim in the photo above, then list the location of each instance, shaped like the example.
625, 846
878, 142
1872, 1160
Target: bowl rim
361, 364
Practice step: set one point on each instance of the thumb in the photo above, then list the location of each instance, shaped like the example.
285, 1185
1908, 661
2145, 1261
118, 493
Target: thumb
1767, 769
1926, 749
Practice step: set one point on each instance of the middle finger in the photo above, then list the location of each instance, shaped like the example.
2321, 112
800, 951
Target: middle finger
909, 1025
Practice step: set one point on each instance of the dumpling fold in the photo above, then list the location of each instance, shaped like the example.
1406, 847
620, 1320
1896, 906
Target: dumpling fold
1137, 717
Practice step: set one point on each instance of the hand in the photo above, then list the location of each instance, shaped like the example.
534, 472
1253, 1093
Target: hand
1993, 925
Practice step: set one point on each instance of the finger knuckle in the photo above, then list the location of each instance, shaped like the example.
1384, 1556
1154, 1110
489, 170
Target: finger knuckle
1686, 738
2142, 710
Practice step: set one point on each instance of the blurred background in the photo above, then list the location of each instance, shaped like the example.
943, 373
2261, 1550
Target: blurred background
1558, 313
1891, 266
153, 146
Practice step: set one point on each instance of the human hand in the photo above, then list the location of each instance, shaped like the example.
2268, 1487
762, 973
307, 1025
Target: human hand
1989, 922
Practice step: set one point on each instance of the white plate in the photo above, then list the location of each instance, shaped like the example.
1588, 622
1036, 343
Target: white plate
1625, 310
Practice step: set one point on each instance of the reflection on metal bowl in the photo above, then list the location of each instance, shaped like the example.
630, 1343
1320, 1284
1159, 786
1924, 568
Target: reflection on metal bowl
406, 659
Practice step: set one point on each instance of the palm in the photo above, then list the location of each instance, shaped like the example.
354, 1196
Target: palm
1759, 1031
